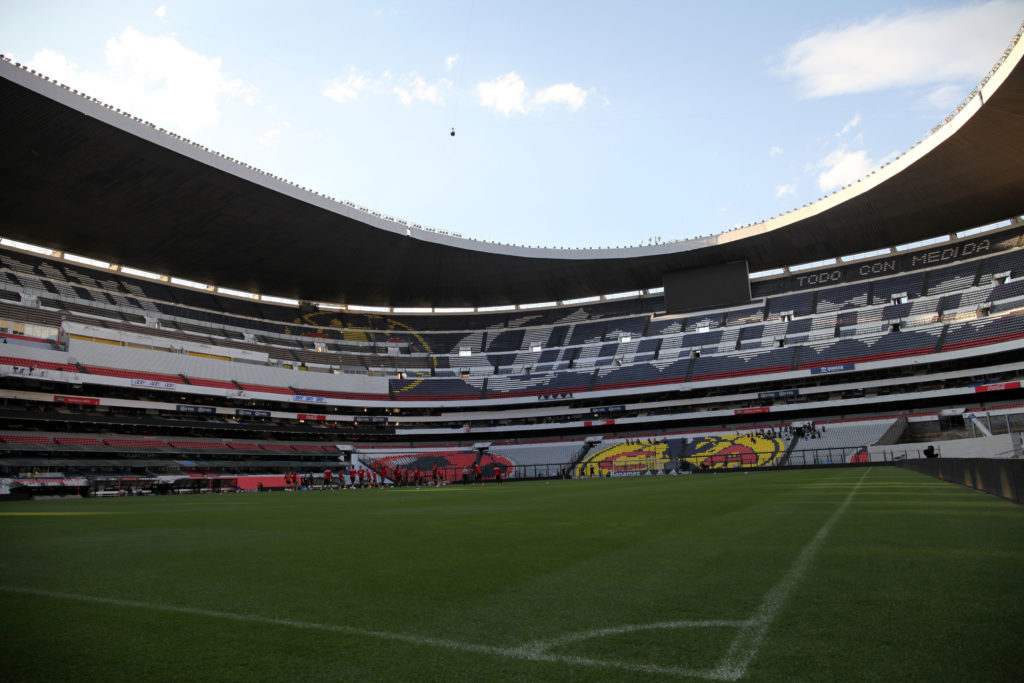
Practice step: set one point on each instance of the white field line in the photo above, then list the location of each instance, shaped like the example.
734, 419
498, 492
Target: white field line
513, 653
255, 618
733, 667
744, 648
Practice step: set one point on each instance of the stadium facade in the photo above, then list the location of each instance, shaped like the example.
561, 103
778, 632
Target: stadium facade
911, 318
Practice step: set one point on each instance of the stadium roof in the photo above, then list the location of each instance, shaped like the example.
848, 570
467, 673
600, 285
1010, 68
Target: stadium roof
82, 177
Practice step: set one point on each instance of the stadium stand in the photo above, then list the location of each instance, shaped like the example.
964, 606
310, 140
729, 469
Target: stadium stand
100, 365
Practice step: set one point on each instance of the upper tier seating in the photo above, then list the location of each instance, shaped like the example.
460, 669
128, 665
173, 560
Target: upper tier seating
842, 297
642, 374
801, 303
523, 353
952, 278
743, 363
911, 285
451, 388
972, 333
569, 381
865, 349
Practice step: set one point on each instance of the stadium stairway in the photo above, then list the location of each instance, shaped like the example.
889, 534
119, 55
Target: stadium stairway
580, 455
689, 369
942, 339
784, 460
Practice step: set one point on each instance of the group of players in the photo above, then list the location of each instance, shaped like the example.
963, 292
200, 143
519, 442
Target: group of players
353, 478
403, 476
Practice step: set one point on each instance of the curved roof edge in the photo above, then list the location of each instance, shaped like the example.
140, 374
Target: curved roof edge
83, 176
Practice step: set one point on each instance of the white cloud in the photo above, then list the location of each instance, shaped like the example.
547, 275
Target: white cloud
272, 136
849, 125
507, 94
349, 89
161, 12
775, 151
155, 78
408, 89
450, 61
572, 96
957, 44
783, 190
415, 89
57, 67
843, 167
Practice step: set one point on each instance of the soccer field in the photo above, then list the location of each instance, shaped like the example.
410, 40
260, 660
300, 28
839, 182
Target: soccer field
834, 574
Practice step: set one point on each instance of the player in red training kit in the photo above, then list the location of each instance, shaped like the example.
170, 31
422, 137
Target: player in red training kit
479, 477
327, 479
497, 473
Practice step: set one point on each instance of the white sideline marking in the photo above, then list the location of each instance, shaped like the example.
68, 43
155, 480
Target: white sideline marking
536, 654
744, 648
733, 666
255, 618
540, 646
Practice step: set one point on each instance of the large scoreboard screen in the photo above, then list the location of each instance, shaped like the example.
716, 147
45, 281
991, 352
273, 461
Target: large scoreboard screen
718, 286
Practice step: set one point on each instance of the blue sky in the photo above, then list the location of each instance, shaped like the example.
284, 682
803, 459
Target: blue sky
577, 123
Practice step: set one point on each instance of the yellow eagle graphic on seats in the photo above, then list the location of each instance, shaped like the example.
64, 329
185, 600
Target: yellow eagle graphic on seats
624, 457
725, 451
734, 450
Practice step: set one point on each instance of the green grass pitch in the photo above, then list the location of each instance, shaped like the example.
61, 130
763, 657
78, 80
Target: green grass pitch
834, 574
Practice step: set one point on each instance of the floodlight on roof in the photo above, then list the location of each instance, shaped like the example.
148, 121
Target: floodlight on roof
767, 273
623, 295
813, 264
865, 254
140, 273
87, 261
235, 292
582, 300
923, 243
279, 300
975, 231
188, 283
25, 246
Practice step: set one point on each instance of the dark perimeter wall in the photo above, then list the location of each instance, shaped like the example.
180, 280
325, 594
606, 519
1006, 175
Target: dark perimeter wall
1001, 477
